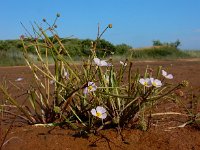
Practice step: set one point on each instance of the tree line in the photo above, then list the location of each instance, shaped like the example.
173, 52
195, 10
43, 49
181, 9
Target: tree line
74, 46
81, 47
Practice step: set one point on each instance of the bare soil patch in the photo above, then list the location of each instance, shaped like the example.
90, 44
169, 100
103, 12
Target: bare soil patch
159, 136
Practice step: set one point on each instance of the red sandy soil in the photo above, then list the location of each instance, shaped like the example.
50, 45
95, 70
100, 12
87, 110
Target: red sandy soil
160, 136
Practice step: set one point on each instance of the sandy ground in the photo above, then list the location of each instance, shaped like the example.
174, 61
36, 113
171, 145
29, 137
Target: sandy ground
159, 136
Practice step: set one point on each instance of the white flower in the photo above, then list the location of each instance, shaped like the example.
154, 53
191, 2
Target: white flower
168, 76
101, 63
91, 87
146, 82
123, 63
99, 112
155, 82
19, 79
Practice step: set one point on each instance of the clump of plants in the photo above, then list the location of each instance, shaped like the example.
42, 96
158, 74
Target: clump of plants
192, 109
95, 94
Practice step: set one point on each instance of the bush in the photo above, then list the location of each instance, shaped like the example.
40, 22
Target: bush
122, 49
171, 44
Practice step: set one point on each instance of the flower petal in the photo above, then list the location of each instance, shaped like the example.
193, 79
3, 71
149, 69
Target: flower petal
169, 76
146, 82
142, 81
94, 112
101, 109
94, 88
164, 73
85, 91
103, 63
97, 61
156, 82
90, 83
104, 115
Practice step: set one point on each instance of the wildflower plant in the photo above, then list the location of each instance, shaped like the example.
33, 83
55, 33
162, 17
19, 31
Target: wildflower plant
95, 93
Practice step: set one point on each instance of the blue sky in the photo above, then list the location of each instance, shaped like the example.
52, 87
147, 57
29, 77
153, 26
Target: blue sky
135, 22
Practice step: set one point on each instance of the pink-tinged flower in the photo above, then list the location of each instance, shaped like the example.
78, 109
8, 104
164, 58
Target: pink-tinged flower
101, 63
146, 82
99, 112
123, 63
168, 76
155, 82
91, 87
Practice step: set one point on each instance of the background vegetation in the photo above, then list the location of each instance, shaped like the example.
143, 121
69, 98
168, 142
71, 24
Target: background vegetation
11, 50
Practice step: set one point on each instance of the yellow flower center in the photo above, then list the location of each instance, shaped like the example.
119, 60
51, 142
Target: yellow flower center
89, 88
99, 114
145, 84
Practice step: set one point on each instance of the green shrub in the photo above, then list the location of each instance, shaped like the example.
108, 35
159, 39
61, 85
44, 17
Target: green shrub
161, 52
122, 49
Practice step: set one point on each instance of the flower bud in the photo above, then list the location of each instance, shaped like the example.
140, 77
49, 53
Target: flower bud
110, 26
184, 83
58, 15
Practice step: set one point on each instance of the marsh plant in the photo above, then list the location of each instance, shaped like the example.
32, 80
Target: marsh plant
94, 94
